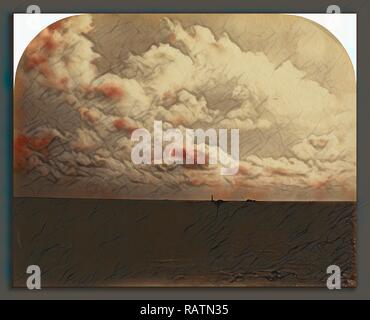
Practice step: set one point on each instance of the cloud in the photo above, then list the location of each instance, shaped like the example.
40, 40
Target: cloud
191, 78
61, 55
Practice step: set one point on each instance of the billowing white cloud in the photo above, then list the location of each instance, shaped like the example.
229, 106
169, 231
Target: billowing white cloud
190, 79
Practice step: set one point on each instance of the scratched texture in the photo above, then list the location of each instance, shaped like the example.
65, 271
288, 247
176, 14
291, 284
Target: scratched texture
110, 243
86, 83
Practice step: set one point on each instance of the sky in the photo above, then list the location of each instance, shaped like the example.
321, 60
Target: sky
343, 26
